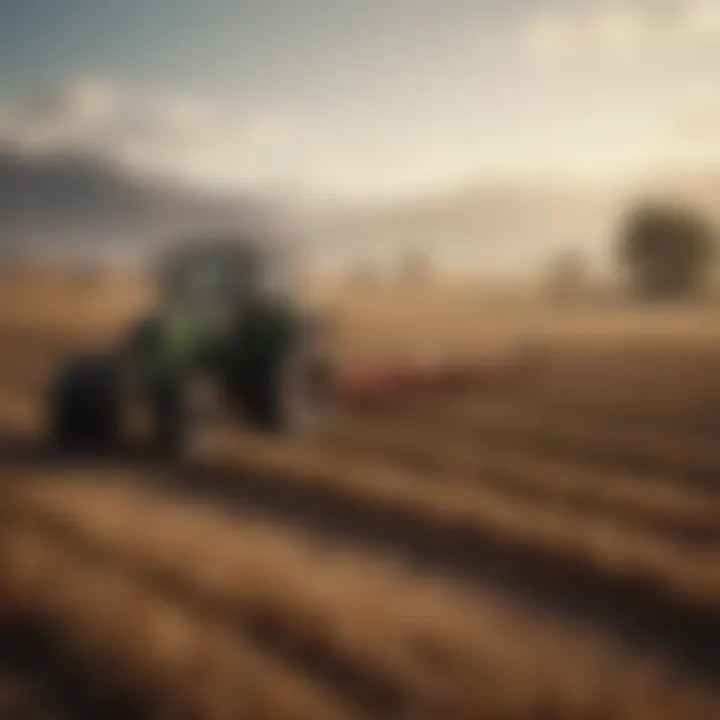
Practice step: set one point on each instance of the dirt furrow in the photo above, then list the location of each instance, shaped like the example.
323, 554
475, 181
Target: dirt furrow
400, 620
366, 681
587, 443
638, 587
39, 682
143, 654
436, 455
653, 408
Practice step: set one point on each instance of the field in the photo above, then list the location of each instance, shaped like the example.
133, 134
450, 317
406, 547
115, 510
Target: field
550, 550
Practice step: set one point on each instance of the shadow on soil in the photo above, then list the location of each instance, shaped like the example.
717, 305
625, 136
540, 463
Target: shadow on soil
55, 686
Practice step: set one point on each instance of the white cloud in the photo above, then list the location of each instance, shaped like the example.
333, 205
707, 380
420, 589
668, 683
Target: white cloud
620, 28
551, 34
254, 147
88, 102
225, 146
75, 115
186, 137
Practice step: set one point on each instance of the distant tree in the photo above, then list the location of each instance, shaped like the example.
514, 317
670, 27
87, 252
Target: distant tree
567, 279
666, 252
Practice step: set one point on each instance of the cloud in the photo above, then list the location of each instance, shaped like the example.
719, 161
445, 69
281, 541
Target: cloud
189, 138
74, 115
233, 147
221, 145
213, 144
617, 29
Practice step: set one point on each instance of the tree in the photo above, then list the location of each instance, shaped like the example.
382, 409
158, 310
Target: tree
666, 252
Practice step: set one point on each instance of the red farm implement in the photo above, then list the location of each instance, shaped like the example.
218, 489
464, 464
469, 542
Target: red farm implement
382, 382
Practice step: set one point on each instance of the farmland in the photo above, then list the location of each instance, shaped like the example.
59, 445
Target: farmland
546, 550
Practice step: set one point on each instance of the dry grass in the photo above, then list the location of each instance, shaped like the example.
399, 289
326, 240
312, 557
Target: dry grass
553, 552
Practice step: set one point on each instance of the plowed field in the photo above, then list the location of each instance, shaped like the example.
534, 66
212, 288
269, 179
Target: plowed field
550, 550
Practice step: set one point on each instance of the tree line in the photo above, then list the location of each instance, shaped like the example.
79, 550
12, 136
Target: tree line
661, 252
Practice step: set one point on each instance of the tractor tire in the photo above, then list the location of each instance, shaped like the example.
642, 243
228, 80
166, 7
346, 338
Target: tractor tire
292, 396
169, 426
85, 406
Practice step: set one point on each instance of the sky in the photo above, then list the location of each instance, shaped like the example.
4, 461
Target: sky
356, 99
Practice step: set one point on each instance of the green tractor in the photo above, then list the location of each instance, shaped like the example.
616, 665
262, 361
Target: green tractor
227, 326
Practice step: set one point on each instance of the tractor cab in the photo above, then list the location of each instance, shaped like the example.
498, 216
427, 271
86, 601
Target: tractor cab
218, 278
211, 293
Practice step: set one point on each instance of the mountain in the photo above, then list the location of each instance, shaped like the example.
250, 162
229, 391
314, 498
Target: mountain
65, 203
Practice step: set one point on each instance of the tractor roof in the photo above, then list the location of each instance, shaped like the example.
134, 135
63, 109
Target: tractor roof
212, 245
231, 247
249, 262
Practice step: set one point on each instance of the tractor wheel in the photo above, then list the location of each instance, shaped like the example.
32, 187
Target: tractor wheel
85, 407
293, 396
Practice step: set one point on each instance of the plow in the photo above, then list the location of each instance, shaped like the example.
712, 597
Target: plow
380, 383
227, 325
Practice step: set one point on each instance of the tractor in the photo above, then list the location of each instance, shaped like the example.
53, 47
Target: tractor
226, 325
228, 331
